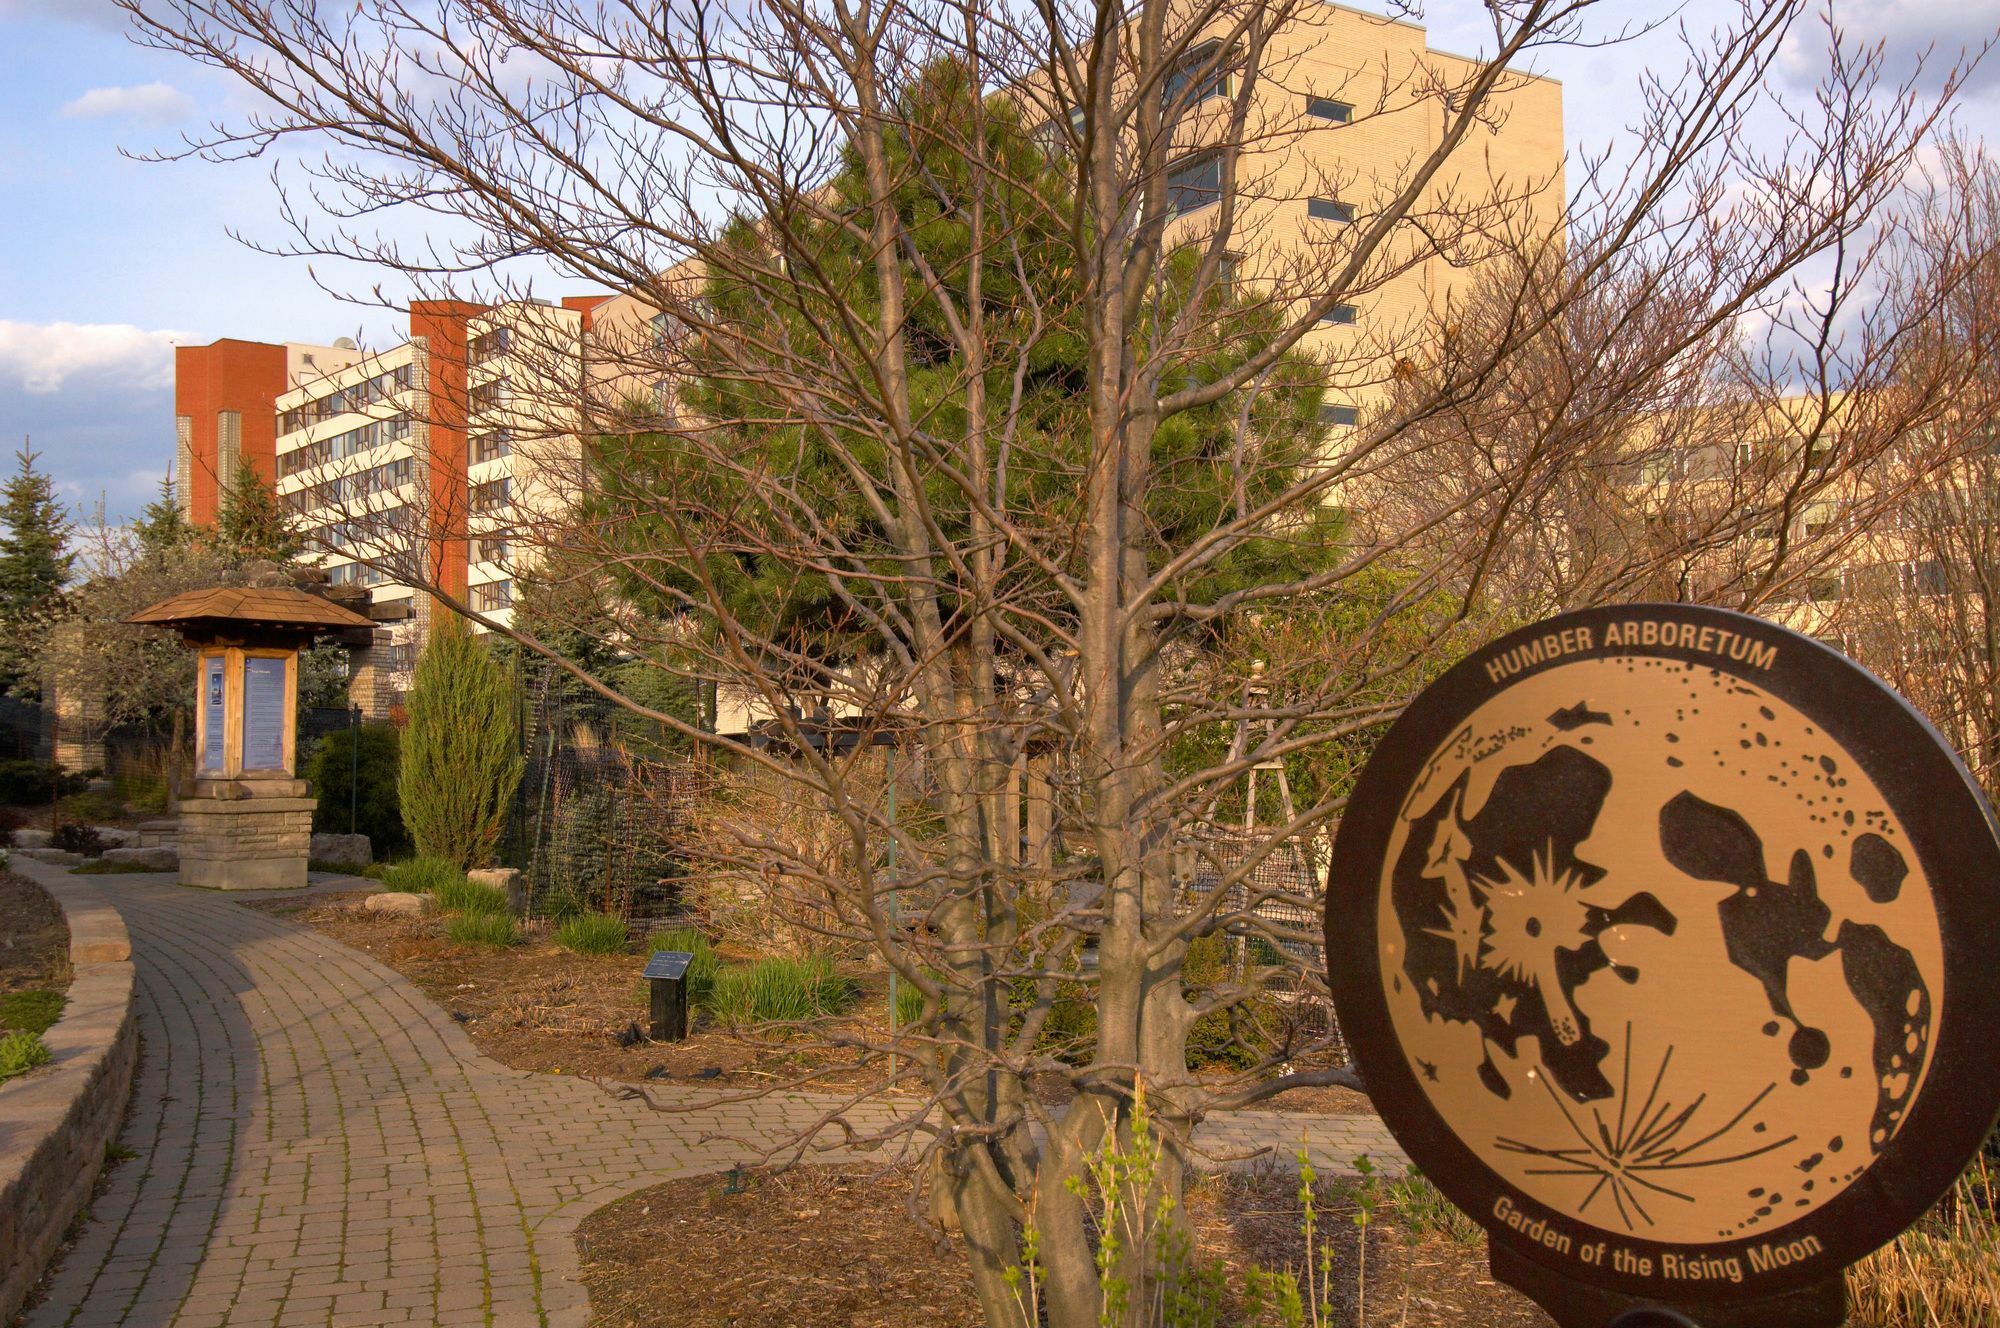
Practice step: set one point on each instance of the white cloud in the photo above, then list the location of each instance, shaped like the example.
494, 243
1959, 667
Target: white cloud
148, 101
40, 357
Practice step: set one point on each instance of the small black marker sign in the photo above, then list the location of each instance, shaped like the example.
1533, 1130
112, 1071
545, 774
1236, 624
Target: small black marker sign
1668, 942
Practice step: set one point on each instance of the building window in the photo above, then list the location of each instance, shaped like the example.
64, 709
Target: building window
1050, 136
1194, 184
492, 495
1326, 108
1339, 417
490, 394
1330, 209
1201, 73
492, 343
489, 550
1341, 314
1924, 578
492, 595
355, 574
491, 445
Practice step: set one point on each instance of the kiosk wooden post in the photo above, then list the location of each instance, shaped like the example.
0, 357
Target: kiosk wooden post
248, 825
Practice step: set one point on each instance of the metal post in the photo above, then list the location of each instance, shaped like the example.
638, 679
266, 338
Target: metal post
353, 768
666, 973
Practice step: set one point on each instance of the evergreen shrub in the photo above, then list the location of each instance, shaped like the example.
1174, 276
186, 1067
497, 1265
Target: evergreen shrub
460, 759
353, 774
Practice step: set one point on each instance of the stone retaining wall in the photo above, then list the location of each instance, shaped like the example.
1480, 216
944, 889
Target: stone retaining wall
56, 1123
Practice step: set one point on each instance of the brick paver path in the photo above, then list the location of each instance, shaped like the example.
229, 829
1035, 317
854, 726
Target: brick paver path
315, 1142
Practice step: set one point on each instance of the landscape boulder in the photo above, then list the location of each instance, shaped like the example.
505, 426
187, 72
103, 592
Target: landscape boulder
507, 880
350, 851
414, 906
31, 838
112, 836
153, 858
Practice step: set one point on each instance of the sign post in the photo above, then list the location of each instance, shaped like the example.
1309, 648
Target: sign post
1665, 939
248, 825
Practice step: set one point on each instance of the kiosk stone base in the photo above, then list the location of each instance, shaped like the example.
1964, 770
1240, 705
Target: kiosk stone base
246, 843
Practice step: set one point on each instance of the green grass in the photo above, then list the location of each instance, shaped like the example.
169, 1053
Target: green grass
30, 1011
493, 929
593, 934
416, 876
909, 1005
471, 898
779, 991
343, 869
701, 969
19, 1053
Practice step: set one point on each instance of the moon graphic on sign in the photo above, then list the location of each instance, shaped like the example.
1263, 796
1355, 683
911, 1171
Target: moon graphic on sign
1658, 949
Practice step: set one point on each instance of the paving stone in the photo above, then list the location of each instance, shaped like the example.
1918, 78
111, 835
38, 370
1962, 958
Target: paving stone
317, 1142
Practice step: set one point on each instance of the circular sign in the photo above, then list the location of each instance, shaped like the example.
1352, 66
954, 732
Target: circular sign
1666, 940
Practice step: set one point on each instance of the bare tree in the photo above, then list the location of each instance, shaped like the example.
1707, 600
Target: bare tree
954, 421
1915, 595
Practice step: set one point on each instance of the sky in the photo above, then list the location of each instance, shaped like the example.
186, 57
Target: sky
107, 262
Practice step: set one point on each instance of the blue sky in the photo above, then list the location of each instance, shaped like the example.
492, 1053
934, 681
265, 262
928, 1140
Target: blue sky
106, 262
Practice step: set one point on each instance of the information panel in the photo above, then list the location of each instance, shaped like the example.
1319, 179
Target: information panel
263, 714
1665, 939
212, 712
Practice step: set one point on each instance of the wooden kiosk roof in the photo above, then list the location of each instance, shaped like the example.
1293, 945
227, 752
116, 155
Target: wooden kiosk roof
293, 610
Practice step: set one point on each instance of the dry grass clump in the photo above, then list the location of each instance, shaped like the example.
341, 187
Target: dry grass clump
1944, 1272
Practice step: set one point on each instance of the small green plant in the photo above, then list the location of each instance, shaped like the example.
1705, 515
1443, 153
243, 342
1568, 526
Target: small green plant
74, 838
701, 969
21, 1052
115, 1152
779, 991
417, 876
1423, 1211
593, 934
491, 929
1367, 1194
30, 1011
460, 895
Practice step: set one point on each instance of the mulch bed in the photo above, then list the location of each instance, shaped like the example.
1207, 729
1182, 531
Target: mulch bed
34, 940
818, 1247
537, 1007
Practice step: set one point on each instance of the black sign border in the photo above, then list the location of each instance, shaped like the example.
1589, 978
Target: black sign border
1951, 828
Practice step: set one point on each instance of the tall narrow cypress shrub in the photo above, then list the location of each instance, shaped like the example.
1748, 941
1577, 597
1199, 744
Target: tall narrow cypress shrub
460, 761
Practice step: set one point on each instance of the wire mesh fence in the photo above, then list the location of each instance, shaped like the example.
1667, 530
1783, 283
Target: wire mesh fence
601, 815
1278, 902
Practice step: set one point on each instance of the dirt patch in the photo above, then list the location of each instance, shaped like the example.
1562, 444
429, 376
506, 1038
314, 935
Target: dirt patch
537, 1007
820, 1247
34, 940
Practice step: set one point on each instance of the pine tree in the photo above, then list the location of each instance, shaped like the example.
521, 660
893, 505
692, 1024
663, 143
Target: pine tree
35, 563
161, 529
252, 524
460, 761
